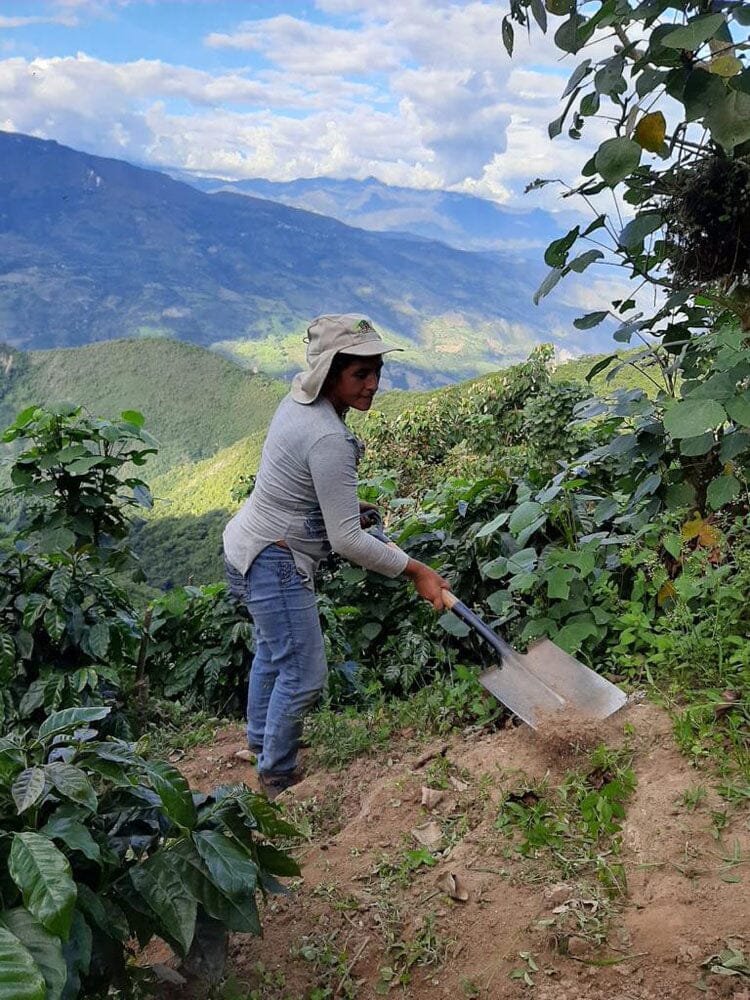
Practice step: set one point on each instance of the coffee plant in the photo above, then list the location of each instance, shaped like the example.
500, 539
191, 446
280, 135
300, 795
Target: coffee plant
101, 846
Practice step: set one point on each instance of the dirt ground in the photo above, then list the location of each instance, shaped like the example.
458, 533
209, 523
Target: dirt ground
360, 916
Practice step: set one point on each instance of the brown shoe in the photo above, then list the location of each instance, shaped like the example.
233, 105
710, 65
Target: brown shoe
273, 785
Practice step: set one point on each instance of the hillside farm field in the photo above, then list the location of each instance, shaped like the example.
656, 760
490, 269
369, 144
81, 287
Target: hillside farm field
659, 909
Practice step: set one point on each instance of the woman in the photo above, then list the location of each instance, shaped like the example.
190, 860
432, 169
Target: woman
303, 505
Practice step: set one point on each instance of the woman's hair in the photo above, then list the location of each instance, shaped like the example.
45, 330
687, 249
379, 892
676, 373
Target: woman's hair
339, 363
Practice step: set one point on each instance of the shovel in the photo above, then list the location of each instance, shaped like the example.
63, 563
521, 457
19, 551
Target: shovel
543, 681
536, 684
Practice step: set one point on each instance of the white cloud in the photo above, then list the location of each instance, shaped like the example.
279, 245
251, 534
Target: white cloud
9, 23
417, 94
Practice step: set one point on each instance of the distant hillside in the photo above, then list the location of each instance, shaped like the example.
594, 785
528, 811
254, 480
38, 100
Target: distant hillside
95, 249
460, 220
182, 539
194, 401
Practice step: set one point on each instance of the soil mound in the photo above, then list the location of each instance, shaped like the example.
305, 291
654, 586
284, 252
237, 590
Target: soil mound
437, 900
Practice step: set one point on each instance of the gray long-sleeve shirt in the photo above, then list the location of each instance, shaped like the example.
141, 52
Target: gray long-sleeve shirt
306, 495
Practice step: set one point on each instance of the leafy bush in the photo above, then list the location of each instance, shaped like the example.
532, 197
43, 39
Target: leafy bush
201, 645
70, 478
68, 633
101, 847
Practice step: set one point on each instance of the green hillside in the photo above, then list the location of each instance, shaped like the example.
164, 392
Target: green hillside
182, 538
194, 401
441, 350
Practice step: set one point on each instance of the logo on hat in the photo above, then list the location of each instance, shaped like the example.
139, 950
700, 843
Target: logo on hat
364, 328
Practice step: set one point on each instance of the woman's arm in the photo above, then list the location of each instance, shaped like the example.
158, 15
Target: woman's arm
333, 469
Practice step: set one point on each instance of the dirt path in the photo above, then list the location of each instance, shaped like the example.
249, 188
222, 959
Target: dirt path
373, 908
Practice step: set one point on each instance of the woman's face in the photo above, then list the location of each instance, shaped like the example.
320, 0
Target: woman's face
356, 384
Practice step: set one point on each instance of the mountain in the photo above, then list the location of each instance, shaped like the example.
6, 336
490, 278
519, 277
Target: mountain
195, 402
95, 249
460, 220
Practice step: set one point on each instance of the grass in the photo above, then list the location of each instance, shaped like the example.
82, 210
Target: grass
576, 826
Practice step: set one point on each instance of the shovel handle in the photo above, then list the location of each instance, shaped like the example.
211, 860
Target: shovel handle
459, 609
449, 600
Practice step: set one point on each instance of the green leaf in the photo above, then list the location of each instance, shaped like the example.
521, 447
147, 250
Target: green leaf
738, 408
70, 718
590, 320
548, 284
272, 860
507, 32
45, 949
680, 495
540, 13
616, 159
103, 914
582, 261
579, 73
558, 583
453, 625
703, 91
723, 490
646, 487
499, 601
568, 36
28, 788
492, 526
526, 533
20, 976
231, 868
695, 446
133, 417
72, 832
673, 544
238, 914
692, 35
734, 444
43, 875
522, 562
729, 120
688, 418
633, 235
524, 515
174, 791
60, 582
98, 640
77, 951
557, 252
72, 782
83, 465
573, 635
742, 82
160, 884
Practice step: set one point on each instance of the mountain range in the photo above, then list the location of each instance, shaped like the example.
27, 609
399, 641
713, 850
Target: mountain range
460, 220
94, 249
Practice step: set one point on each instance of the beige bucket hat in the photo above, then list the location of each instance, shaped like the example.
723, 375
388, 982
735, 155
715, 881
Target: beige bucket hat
328, 336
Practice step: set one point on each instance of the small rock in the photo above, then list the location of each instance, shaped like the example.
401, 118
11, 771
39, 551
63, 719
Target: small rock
429, 835
167, 975
431, 797
558, 893
577, 946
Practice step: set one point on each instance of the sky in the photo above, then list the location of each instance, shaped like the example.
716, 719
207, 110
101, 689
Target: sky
419, 93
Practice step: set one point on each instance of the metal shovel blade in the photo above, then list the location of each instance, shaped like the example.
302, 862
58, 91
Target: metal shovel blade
543, 681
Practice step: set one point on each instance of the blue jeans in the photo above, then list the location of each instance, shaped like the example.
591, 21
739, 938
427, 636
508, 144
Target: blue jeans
289, 668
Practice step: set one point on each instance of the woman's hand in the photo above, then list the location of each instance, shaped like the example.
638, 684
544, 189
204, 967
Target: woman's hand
368, 514
430, 585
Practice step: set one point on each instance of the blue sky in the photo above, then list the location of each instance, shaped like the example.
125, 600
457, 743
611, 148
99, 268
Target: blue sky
414, 92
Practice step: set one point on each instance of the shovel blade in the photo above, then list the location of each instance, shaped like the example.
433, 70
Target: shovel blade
546, 680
